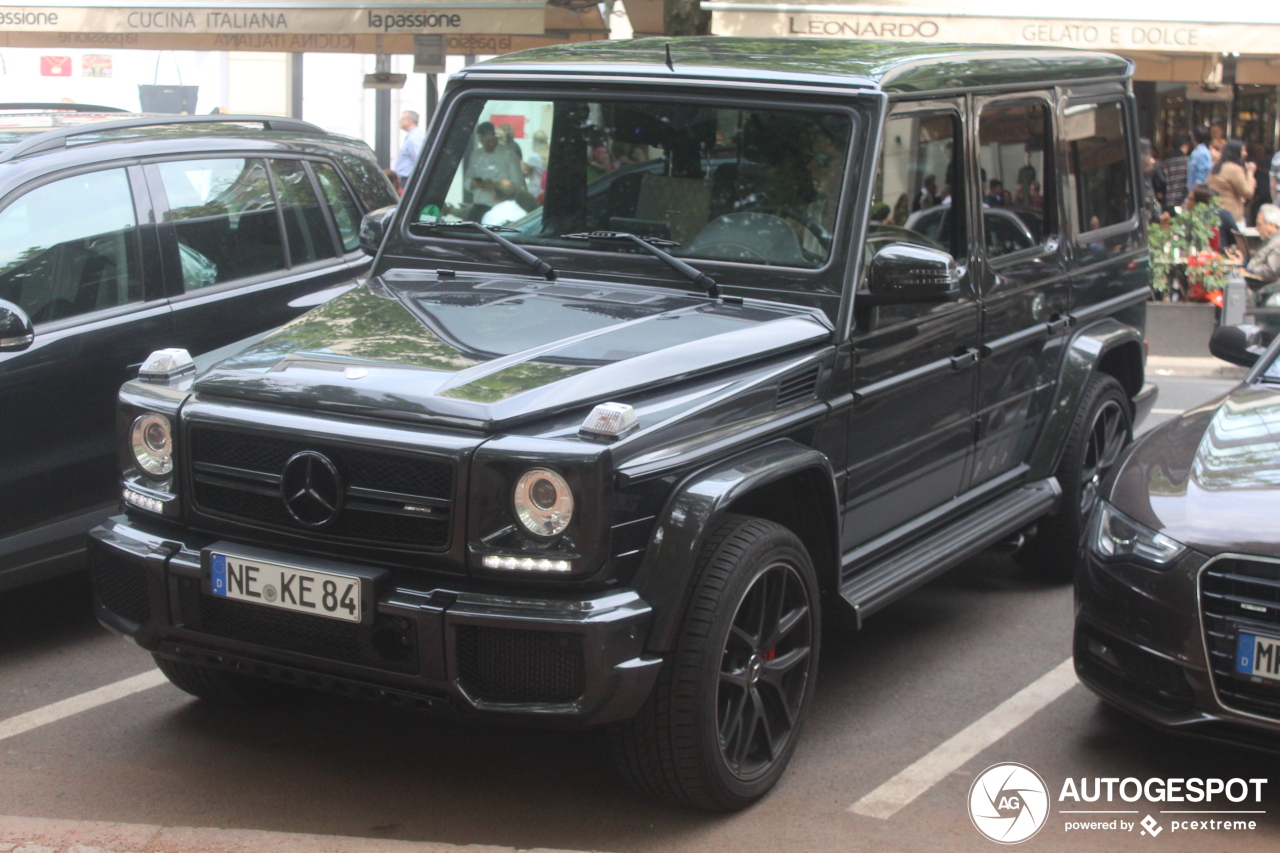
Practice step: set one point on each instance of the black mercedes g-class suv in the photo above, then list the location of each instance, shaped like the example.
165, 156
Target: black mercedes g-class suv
767, 334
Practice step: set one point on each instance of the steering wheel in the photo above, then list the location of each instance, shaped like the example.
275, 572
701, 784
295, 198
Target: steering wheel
813, 226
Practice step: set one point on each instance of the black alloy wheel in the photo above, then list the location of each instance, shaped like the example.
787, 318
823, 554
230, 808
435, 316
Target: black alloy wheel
726, 713
764, 670
1102, 428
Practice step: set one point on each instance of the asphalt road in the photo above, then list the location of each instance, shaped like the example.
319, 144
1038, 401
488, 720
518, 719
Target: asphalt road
930, 684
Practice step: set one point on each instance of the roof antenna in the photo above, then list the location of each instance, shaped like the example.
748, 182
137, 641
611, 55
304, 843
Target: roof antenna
670, 65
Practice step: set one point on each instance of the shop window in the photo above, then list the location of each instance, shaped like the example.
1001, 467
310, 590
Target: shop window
1014, 145
1099, 158
919, 182
304, 223
225, 218
70, 247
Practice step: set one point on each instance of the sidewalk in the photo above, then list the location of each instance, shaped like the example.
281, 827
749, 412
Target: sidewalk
40, 835
1206, 366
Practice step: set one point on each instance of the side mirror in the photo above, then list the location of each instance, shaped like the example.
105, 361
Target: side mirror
1242, 345
904, 273
373, 228
16, 331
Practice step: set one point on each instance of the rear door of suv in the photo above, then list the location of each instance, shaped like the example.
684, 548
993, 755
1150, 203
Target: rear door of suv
250, 242
1025, 289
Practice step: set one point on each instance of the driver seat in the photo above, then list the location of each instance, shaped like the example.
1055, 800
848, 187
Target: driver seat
749, 237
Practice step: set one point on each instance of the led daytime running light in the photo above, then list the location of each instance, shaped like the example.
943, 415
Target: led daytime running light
143, 502
526, 564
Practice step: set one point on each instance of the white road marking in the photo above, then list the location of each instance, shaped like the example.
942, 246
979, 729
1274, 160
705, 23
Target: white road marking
83, 702
954, 753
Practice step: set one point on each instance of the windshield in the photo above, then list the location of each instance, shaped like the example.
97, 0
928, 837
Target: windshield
758, 186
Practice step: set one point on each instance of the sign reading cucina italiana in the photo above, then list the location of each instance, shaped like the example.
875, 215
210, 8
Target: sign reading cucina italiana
497, 16
1101, 35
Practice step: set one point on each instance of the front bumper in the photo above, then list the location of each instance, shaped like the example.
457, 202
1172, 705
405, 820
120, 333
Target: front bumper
1140, 645
576, 660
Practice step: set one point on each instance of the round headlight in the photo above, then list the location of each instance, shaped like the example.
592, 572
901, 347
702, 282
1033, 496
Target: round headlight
543, 502
152, 441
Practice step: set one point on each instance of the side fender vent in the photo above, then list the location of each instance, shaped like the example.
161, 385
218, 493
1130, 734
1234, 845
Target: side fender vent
798, 387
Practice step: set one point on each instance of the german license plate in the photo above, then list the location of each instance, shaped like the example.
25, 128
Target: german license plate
1258, 655
321, 593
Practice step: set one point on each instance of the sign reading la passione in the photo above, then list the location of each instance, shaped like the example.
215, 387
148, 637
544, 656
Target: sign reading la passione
965, 29
459, 16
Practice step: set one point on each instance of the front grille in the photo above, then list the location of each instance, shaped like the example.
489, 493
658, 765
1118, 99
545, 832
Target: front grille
1240, 594
514, 665
390, 499
390, 643
120, 584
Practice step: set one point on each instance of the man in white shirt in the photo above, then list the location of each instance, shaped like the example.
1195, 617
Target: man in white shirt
506, 208
489, 164
411, 148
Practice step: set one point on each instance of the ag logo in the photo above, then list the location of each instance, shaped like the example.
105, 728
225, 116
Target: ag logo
1008, 803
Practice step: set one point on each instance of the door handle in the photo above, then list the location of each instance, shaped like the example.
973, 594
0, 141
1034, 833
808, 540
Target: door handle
1059, 323
964, 360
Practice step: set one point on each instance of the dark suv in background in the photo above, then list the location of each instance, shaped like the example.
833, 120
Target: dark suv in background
619, 466
121, 234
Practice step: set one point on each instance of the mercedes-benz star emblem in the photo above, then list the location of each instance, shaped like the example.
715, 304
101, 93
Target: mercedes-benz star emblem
311, 488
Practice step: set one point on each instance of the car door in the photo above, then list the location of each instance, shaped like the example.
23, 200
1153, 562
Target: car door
911, 426
1025, 290
247, 245
74, 256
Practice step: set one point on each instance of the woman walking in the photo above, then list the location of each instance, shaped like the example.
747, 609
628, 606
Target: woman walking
1233, 179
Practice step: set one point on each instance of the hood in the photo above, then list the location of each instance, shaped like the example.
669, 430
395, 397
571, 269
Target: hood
1211, 477
487, 353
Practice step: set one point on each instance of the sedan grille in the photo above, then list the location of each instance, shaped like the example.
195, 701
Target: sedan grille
381, 498
1240, 594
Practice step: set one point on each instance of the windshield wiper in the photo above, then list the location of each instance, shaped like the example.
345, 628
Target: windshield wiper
539, 266
650, 245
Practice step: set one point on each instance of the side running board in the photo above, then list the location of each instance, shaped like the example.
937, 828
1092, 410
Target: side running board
869, 587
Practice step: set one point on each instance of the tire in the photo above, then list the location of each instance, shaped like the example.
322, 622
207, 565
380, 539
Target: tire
726, 712
216, 685
1102, 427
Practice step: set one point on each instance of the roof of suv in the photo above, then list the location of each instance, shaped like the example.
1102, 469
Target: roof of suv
888, 66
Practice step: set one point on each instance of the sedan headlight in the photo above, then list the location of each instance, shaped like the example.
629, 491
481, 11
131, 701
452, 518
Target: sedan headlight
152, 440
1116, 536
543, 502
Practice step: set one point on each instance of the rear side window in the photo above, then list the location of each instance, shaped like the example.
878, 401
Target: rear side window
304, 222
71, 247
1014, 152
371, 186
345, 213
225, 217
1099, 157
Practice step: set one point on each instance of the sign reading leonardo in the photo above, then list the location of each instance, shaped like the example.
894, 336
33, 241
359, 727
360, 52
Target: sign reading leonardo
450, 16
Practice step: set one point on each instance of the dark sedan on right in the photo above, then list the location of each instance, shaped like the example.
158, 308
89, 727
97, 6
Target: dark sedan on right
1178, 590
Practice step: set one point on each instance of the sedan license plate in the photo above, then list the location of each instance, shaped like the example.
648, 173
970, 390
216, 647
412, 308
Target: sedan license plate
321, 593
1258, 655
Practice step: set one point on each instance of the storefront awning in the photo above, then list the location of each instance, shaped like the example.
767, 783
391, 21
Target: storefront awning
320, 26
1174, 27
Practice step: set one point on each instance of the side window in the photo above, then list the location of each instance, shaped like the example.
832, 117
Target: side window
1015, 149
1099, 155
304, 223
71, 247
345, 212
225, 217
919, 184
371, 186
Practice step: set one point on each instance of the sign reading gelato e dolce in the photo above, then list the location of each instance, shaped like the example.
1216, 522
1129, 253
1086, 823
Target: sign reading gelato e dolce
1103, 35
496, 16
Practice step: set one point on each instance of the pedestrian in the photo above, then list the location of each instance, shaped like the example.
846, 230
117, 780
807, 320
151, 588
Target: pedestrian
535, 165
488, 164
1200, 163
414, 138
506, 208
1150, 198
1264, 266
995, 193
1172, 173
393, 179
1233, 179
